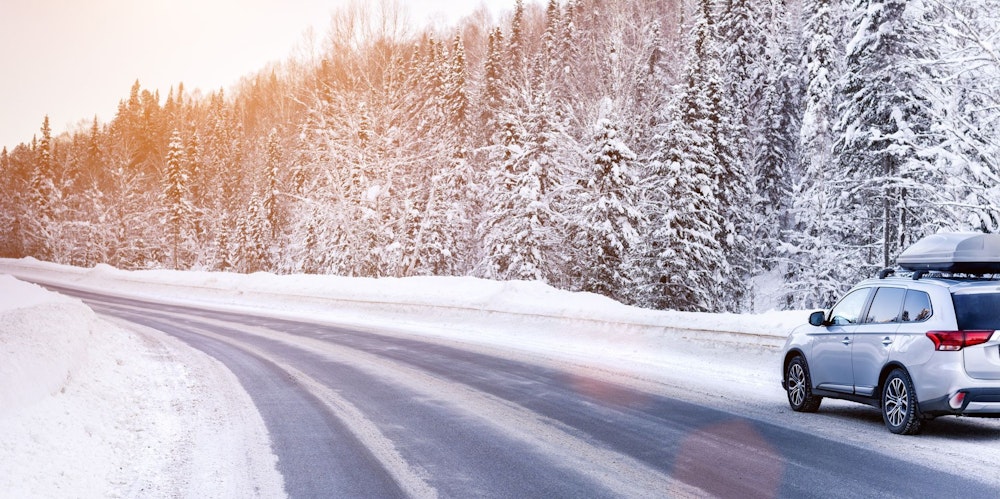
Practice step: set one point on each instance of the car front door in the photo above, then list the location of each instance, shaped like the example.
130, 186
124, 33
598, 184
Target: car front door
830, 362
874, 336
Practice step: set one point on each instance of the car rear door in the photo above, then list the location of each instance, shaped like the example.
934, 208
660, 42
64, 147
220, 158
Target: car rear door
874, 336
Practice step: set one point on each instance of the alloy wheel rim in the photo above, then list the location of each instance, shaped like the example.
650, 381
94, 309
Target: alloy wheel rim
796, 384
897, 402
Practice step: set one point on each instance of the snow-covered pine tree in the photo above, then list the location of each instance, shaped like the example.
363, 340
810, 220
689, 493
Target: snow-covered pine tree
225, 256
884, 123
443, 241
272, 173
252, 253
176, 199
815, 277
43, 197
312, 256
609, 217
446, 227
966, 102
776, 155
43, 178
690, 268
516, 55
513, 228
735, 72
491, 96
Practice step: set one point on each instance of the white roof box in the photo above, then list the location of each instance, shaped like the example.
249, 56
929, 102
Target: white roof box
967, 253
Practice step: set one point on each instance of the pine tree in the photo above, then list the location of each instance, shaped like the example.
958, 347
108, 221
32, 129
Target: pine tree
551, 38
493, 79
815, 277
270, 201
176, 197
252, 252
689, 267
516, 50
776, 154
884, 121
444, 240
517, 231
43, 189
610, 217
43, 197
443, 225
735, 72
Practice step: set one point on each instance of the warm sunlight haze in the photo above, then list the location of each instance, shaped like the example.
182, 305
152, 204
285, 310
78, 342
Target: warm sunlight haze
73, 60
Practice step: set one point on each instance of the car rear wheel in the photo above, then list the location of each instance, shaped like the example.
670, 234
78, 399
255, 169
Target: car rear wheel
899, 404
799, 387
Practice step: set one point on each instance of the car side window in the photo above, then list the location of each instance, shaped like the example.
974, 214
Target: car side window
916, 307
848, 310
885, 306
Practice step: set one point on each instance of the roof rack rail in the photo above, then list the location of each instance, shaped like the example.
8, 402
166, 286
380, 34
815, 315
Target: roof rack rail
886, 272
918, 274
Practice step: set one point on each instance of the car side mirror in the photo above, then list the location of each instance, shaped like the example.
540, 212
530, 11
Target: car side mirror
817, 318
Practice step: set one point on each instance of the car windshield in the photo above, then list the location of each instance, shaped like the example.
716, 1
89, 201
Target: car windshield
978, 311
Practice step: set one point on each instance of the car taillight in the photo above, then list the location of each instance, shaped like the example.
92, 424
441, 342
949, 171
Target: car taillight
953, 341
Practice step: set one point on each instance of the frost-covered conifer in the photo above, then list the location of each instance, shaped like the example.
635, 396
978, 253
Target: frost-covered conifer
270, 201
884, 124
176, 198
610, 218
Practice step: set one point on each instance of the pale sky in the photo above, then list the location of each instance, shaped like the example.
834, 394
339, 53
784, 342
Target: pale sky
73, 59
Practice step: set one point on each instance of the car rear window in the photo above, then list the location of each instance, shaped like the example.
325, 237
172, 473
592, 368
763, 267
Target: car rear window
977, 311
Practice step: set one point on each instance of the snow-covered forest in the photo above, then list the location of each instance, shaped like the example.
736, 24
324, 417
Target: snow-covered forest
662, 153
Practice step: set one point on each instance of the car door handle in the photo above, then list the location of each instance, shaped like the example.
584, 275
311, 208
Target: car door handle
846, 340
887, 341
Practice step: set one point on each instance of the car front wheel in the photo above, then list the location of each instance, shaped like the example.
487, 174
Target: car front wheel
799, 387
899, 404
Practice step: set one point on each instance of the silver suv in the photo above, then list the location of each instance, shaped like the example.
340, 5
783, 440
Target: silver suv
917, 346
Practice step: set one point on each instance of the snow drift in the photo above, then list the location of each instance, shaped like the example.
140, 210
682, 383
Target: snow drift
90, 410
439, 303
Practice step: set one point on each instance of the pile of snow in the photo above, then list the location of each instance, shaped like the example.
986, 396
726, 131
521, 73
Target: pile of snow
25, 379
90, 410
437, 301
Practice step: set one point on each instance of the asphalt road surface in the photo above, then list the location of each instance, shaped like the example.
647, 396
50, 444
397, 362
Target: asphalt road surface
364, 414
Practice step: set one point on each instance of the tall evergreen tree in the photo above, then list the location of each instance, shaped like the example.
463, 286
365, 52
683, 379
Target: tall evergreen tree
270, 201
176, 197
43, 197
688, 260
815, 278
493, 79
776, 155
43, 179
610, 218
512, 227
884, 123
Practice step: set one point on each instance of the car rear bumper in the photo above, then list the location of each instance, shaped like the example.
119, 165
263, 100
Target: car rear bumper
977, 402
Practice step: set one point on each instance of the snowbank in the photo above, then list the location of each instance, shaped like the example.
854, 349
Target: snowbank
90, 410
439, 302
57, 331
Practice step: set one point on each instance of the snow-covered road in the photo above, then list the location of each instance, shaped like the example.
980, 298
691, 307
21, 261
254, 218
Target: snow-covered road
726, 363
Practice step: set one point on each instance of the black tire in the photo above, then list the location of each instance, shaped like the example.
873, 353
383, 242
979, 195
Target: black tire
899, 404
798, 386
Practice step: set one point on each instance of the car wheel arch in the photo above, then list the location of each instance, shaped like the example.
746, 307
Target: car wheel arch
884, 375
791, 354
